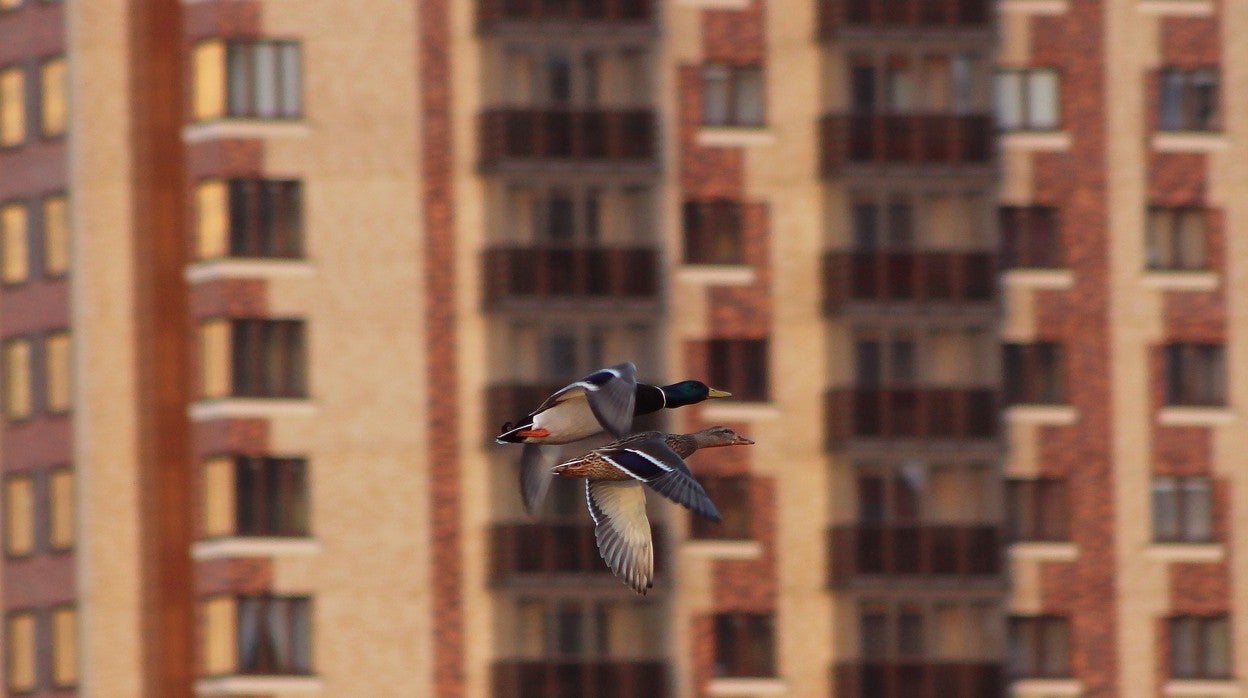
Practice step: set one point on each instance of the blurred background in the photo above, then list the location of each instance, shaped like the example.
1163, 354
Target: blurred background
274, 274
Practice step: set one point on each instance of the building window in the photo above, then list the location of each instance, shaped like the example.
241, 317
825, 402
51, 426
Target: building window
53, 108
247, 79
1030, 237
17, 380
713, 232
1039, 647
12, 106
1200, 647
61, 511
255, 496
1182, 509
583, 628
1028, 99
1037, 510
55, 235
19, 515
731, 495
1195, 374
249, 218
739, 366
58, 372
259, 635
744, 644
732, 95
21, 658
14, 254
64, 647
1189, 99
253, 358
1034, 374
1175, 238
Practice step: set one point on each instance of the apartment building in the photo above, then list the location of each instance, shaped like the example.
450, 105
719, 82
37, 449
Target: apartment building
274, 273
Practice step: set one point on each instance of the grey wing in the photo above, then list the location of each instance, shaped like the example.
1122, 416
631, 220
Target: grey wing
622, 530
653, 462
535, 476
610, 393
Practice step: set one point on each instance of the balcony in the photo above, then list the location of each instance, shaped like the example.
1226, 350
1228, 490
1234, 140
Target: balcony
890, 15
536, 552
569, 137
911, 413
495, 14
918, 679
905, 140
548, 273
864, 553
590, 678
921, 278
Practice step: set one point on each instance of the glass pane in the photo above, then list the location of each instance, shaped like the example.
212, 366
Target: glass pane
1165, 509
290, 77
1197, 510
715, 110
910, 634
1042, 102
239, 80
874, 628
559, 80
1056, 649
1217, 648
1191, 245
862, 86
899, 89
870, 498
1184, 647
1170, 117
865, 222
751, 97
266, 80
1009, 99
868, 365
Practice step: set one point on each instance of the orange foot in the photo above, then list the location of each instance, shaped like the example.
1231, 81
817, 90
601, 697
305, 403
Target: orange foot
534, 433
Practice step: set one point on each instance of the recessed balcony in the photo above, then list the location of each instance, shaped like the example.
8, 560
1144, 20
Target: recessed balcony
865, 553
921, 678
569, 137
893, 15
543, 552
905, 140
920, 278
495, 14
549, 273
613, 678
916, 413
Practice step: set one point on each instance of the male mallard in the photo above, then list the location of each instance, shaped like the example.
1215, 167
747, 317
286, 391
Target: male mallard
617, 503
605, 400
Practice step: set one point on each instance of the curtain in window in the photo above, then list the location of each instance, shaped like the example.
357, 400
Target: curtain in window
1009, 99
249, 622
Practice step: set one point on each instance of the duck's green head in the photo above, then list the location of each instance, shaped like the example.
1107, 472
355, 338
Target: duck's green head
690, 393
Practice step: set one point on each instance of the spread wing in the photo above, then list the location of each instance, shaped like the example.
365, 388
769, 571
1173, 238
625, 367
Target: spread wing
651, 461
611, 393
535, 476
622, 530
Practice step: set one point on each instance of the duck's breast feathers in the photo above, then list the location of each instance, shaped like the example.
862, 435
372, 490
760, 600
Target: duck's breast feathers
610, 393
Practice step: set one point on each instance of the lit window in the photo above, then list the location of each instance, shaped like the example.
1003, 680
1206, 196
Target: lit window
58, 372
61, 517
1200, 647
1028, 100
220, 645
1175, 238
732, 95
208, 93
14, 254
1189, 100
20, 657
1182, 509
19, 515
64, 646
214, 359
12, 106
53, 110
55, 235
17, 382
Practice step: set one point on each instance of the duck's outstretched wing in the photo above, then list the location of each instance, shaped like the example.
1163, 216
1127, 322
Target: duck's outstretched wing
622, 530
651, 461
535, 476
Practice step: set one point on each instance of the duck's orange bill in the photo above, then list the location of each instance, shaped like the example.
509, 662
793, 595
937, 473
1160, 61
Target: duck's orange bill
533, 433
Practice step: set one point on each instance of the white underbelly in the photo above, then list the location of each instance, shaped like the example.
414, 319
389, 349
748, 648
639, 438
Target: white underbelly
570, 420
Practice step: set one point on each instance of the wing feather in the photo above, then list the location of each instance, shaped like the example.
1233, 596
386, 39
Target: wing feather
622, 530
535, 476
653, 462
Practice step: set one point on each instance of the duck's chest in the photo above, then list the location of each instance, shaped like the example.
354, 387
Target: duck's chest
568, 421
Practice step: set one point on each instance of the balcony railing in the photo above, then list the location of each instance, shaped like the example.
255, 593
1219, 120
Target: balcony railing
905, 139
907, 277
492, 11
911, 413
904, 14
569, 136
527, 550
587, 678
914, 550
919, 679
582, 273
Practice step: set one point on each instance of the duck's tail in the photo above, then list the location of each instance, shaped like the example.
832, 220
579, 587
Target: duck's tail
511, 432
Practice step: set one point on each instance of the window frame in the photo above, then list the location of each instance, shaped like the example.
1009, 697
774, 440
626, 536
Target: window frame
732, 634
258, 218
264, 663
732, 495
272, 513
1184, 365
1168, 222
741, 366
27, 382
27, 526
1179, 487
1044, 513
1026, 95
713, 231
732, 77
1201, 627
61, 126
13, 76
1182, 84
1034, 630
51, 513
253, 342
1034, 373
48, 201
31, 653
13, 272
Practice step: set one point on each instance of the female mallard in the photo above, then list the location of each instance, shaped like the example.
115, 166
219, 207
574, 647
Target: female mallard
617, 503
605, 400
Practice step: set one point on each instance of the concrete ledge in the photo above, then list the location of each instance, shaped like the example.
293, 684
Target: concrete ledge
1190, 142
1047, 141
1046, 688
1039, 279
234, 268
734, 136
717, 274
243, 128
1186, 552
1033, 7
1047, 415
746, 688
1180, 280
1195, 416
724, 549
1044, 551
239, 546
1184, 8
258, 685
244, 408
